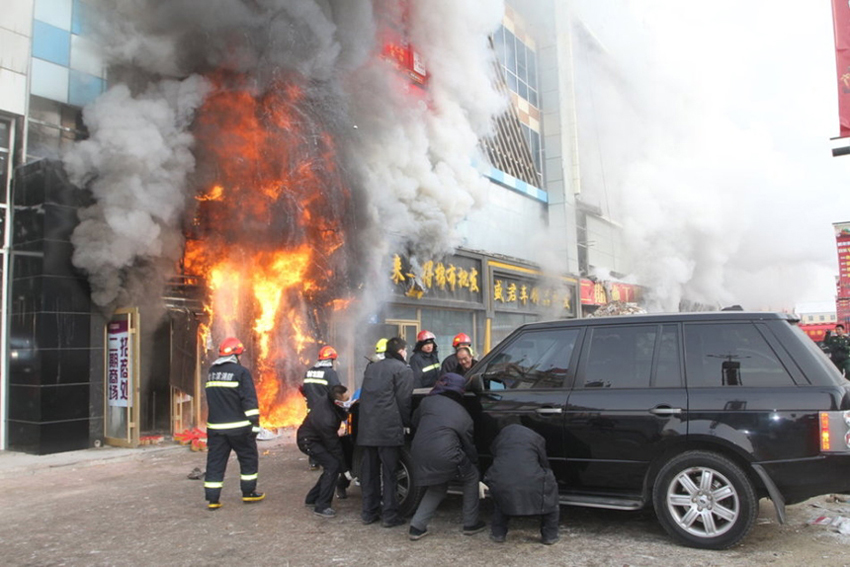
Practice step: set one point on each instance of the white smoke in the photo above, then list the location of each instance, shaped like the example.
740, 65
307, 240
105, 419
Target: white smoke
713, 145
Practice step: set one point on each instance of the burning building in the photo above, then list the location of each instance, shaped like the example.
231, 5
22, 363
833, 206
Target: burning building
294, 173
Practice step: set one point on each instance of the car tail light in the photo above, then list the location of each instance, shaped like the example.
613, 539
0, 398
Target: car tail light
834, 426
825, 441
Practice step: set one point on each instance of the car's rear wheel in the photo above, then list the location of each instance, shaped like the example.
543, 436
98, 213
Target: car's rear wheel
705, 500
408, 493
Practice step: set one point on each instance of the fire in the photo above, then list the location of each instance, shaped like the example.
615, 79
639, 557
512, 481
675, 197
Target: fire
269, 233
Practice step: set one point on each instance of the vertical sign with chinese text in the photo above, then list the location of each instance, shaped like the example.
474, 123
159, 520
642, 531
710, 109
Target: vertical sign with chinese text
119, 365
842, 242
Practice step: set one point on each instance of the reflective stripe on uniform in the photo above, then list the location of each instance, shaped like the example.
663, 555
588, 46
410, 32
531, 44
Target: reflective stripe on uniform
214, 484
215, 384
251, 412
255, 429
232, 425
430, 368
315, 381
249, 476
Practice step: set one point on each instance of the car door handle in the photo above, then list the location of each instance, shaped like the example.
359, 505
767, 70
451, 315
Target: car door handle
664, 410
549, 410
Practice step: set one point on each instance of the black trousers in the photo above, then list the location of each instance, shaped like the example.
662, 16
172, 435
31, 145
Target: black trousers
219, 446
322, 492
379, 483
548, 523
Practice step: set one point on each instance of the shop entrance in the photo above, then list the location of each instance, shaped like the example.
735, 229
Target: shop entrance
406, 329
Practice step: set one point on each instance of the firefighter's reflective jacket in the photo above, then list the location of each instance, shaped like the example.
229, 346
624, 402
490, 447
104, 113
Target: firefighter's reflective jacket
231, 398
318, 382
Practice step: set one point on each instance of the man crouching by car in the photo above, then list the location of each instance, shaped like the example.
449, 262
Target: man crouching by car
444, 450
318, 438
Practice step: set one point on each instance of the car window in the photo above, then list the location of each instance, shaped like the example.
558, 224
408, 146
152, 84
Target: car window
668, 373
537, 359
620, 357
731, 354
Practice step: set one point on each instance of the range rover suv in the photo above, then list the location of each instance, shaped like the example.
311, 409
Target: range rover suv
698, 415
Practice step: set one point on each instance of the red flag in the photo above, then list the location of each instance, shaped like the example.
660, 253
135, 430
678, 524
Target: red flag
841, 23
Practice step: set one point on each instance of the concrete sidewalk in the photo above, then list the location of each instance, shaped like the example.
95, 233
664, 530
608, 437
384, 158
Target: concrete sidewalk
22, 464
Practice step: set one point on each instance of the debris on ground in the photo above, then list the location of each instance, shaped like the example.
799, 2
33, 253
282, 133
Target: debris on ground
194, 437
196, 474
267, 434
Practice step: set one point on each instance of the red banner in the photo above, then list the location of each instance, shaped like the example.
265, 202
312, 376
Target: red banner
841, 25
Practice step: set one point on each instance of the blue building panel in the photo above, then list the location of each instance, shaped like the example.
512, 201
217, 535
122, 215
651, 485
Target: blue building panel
51, 43
84, 88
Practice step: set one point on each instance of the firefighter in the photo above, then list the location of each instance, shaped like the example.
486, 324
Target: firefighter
321, 377
318, 438
450, 363
233, 422
318, 381
424, 362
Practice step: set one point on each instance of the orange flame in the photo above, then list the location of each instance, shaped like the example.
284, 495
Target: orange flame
268, 235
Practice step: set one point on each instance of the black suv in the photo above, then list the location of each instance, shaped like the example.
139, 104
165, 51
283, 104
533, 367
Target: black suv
699, 415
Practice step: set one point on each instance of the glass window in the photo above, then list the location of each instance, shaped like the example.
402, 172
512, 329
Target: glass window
532, 98
5, 130
510, 51
512, 84
445, 324
522, 90
521, 69
731, 354
499, 44
4, 174
531, 63
620, 357
536, 359
668, 373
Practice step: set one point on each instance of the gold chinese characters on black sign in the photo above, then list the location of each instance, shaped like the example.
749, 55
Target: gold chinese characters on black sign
457, 278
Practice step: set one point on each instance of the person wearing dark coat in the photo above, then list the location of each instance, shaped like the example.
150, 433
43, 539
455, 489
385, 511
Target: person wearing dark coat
385, 398
317, 437
444, 450
522, 483
425, 362
450, 362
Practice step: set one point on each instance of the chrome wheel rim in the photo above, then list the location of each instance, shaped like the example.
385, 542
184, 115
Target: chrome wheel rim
703, 502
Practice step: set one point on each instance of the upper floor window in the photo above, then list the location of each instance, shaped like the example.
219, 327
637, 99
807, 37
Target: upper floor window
519, 63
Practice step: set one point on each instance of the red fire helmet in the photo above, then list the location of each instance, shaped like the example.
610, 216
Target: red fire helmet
425, 336
231, 345
461, 339
327, 352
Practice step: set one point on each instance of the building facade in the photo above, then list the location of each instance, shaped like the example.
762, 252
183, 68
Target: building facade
523, 257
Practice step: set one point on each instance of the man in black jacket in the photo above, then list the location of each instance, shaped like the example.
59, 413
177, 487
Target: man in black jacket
233, 422
443, 450
383, 416
318, 438
522, 483
425, 363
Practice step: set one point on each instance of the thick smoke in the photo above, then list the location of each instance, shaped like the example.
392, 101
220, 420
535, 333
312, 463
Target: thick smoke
712, 143
410, 154
137, 159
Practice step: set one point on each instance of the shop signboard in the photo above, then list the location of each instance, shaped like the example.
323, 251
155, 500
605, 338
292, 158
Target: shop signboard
118, 364
453, 278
